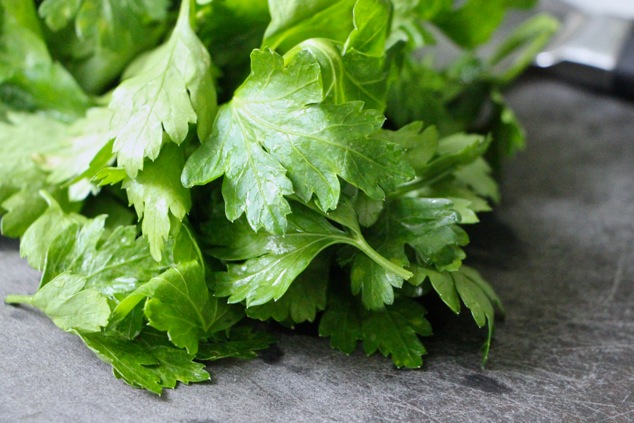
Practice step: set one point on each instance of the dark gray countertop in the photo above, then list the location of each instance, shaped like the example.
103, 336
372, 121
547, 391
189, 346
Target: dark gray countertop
559, 250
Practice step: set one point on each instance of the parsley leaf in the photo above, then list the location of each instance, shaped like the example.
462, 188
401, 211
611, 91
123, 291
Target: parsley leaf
157, 195
307, 145
181, 304
243, 342
293, 22
68, 305
357, 68
167, 89
394, 332
145, 363
326, 184
268, 272
303, 299
29, 77
114, 262
474, 291
426, 225
21, 178
342, 322
39, 237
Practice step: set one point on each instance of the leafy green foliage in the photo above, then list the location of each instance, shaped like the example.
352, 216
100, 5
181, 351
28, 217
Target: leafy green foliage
329, 185
113, 263
145, 363
474, 22
228, 29
97, 39
39, 237
294, 22
243, 342
303, 299
165, 90
427, 226
29, 78
357, 68
69, 306
20, 177
342, 322
272, 261
393, 331
86, 148
157, 195
477, 295
307, 145
180, 304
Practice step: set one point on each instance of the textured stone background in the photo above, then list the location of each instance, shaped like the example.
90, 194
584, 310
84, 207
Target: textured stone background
559, 250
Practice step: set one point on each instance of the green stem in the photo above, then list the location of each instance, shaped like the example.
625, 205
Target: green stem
18, 299
379, 259
416, 185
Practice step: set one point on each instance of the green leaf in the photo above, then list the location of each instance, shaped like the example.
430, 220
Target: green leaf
231, 30
454, 152
295, 21
29, 78
358, 68
272, 261
114, 263
102, 22
105, 36
39, 237
479, 304
427, 225
421, 144
522, 46
376, 283
142, 363
157, 195
509, 135
22, 138
408, 19
86, 150
342, 321
243, 342
168, 89
274, 139
477, 279
475, 21
303, 299
180, 304
69, 306
445, 286
476, 294
367, 209
58, 13
394, 332
477, 176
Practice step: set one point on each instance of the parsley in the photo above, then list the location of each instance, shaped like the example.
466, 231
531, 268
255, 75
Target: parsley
178, 170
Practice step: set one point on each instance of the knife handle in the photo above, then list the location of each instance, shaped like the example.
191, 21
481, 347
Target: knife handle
624, 72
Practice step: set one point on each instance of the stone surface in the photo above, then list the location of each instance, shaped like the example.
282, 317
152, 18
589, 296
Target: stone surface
559, 250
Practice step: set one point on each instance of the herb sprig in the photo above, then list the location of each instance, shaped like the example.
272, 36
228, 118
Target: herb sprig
180, 170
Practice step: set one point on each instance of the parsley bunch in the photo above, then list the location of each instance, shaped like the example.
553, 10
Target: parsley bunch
179, 170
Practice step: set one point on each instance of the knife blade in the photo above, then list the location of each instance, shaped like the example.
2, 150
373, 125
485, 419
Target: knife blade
592, 48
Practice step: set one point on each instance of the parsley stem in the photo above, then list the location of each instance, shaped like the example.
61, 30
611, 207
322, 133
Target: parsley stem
379, 259
18, 299
415, 185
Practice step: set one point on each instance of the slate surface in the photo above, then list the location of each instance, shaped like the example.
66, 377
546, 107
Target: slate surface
559, 250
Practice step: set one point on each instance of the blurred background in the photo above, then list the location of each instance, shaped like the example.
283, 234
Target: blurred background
618, 8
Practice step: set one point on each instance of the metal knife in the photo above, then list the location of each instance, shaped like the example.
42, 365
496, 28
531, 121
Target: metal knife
591, 48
